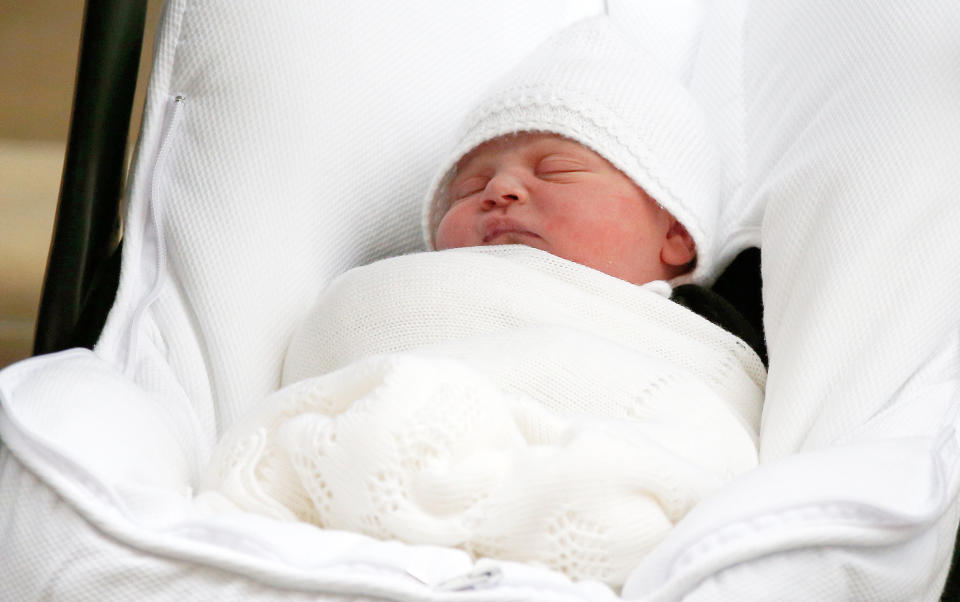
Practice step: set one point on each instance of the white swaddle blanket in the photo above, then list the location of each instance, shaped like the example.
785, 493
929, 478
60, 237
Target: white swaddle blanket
501, 400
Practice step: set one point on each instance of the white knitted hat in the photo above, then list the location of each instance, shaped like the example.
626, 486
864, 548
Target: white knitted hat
590, 84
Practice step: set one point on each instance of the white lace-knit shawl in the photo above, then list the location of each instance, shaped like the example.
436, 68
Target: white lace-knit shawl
501, 400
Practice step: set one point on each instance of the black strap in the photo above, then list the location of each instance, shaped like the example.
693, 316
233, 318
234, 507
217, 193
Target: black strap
721, 312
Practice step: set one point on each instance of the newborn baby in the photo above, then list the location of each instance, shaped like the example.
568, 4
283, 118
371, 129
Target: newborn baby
554, 194
529, 391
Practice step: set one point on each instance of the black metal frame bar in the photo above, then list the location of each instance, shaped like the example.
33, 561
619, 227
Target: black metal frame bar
83, 263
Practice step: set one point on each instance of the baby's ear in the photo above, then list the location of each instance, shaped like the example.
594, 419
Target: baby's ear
678, 247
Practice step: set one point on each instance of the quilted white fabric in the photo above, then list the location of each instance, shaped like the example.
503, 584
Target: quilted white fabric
850, 129
538, 411
861, 265
300, 146
41, 531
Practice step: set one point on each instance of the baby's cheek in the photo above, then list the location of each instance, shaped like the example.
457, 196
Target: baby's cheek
452, 232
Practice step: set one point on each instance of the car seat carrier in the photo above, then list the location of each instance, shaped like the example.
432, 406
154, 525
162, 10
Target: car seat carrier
284, 143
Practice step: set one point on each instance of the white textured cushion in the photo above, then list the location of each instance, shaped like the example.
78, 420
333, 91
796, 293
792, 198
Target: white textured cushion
852, 130
850, 182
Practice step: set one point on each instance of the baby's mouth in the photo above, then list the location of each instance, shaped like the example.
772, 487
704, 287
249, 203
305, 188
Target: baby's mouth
506, 232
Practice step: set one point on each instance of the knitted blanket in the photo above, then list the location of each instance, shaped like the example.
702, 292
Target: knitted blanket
500, 400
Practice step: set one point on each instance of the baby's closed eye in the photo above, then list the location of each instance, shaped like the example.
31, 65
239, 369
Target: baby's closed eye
559, 167
470, 185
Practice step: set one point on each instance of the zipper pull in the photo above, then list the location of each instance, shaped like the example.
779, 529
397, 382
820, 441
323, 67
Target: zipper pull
476, 579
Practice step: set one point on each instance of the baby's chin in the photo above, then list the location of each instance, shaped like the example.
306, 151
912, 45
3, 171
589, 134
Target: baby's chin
515, 238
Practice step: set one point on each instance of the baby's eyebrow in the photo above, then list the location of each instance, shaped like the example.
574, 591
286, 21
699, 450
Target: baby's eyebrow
464, 166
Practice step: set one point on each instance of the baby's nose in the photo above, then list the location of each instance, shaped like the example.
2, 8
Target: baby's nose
503, 190
491, 202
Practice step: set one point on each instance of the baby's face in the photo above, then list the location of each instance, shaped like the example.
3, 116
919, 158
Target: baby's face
554, 194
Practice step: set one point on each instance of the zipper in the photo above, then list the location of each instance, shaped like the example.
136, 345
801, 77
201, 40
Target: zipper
153, 233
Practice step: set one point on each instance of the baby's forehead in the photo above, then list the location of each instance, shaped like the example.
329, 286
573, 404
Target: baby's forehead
535, 142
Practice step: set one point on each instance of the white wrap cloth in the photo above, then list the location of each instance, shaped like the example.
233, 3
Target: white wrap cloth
500, 400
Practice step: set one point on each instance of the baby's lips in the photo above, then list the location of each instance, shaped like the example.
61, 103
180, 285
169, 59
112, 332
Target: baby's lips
498, 227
